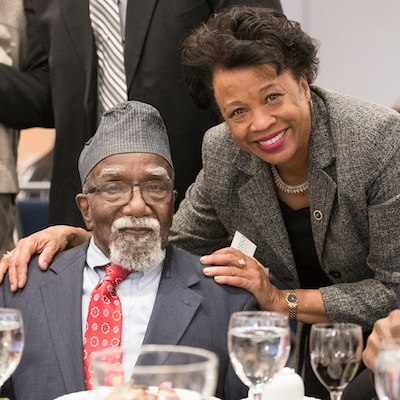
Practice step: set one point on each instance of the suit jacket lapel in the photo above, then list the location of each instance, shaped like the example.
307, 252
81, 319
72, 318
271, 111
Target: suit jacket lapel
175, 303
138, 17
77, 21
65, 322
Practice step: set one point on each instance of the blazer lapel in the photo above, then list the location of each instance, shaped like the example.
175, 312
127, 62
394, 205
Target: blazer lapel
260, 202
321, 205
62, 298
323, 187
175, 304
138, 17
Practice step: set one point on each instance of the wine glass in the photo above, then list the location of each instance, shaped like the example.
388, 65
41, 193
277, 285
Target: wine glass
163, 370
335, 352
387, 370
11, 342
259, 346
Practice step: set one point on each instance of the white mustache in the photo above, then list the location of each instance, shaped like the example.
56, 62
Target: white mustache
132, 222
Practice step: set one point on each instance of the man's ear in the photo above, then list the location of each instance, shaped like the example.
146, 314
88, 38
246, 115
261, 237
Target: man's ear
84, 207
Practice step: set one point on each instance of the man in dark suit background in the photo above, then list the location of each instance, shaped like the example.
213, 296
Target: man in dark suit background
59, 85
166, 299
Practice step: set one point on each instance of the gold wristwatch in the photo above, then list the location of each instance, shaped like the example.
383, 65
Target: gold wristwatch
292, 301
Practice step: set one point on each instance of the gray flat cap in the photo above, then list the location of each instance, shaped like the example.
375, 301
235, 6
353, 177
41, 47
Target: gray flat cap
130, 127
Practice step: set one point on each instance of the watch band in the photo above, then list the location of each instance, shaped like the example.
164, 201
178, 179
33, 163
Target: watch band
292, 302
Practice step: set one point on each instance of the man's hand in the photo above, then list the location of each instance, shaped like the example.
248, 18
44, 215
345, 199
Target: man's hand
385, 328
47, 243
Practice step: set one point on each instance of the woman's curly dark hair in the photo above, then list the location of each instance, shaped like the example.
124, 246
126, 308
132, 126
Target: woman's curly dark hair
243, 36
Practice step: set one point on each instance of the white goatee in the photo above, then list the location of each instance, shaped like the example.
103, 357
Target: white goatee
136, 254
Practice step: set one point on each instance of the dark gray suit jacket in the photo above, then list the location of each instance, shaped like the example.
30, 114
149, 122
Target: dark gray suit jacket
190, 309
354, 176
59, 85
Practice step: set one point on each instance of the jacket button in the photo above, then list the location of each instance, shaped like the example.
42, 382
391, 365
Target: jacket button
335, 274
317, 215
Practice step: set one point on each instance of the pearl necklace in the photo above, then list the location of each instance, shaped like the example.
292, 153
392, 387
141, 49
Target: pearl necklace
282, 186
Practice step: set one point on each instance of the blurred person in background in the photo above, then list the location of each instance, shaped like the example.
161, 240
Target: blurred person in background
397, 106
12, 54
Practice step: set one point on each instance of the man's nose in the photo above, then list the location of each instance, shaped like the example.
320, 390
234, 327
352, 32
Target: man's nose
137, 207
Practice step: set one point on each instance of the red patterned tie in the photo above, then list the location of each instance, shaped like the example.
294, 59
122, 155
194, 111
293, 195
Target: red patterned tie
104, 321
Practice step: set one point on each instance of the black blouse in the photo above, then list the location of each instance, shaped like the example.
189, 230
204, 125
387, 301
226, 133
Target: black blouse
298, 226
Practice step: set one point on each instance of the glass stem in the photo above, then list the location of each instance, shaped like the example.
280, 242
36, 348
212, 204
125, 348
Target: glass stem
257, 392
336, 395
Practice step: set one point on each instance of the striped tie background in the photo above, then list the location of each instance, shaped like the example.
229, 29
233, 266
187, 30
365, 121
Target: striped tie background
105, 18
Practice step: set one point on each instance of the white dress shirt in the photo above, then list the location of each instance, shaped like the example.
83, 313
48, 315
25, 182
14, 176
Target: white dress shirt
137, 294
123, 4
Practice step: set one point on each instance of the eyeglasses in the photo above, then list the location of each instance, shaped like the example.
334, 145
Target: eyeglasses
119, 193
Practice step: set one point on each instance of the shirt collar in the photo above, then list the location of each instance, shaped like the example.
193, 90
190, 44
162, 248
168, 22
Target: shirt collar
96, 258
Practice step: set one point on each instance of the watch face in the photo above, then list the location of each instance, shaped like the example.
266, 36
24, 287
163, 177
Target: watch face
292, 298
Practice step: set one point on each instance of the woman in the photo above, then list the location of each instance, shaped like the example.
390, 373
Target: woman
310, 176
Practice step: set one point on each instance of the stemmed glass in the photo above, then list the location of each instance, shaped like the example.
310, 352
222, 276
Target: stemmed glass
387, 370
11, 342
259, 346
335, 351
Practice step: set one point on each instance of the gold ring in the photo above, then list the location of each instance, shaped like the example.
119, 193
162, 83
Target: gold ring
242, 263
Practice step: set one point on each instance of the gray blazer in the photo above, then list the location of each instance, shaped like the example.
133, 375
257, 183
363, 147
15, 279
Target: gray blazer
354, 175
190, 309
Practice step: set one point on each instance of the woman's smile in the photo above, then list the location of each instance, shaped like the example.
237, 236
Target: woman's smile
274, 142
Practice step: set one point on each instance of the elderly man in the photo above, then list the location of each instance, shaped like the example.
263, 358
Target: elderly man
127, 201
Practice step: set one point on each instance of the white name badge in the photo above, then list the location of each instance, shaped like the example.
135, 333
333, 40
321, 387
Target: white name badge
246, 246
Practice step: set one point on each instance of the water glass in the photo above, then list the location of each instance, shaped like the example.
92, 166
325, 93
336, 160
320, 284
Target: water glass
387, 370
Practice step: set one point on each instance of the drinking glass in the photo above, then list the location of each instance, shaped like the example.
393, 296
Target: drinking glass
190, 372
11, 342
259, 346
387, 370
335, 351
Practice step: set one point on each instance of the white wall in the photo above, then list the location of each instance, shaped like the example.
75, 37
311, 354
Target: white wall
360, 44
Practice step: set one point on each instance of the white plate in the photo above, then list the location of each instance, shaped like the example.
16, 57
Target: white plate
87, 395
91, 395
305, 398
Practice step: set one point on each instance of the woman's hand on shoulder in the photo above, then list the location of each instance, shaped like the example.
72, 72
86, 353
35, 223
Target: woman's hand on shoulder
47, 243
232, 267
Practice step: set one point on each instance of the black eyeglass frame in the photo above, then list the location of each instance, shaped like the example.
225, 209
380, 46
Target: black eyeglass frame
142, 185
